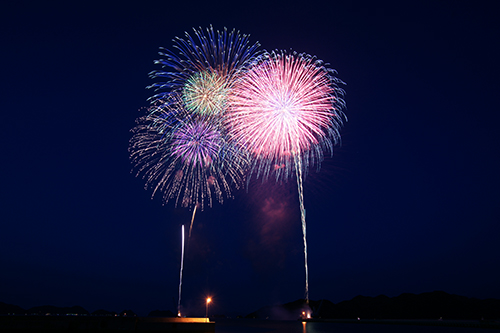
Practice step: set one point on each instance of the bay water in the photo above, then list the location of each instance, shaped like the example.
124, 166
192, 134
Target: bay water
276, 326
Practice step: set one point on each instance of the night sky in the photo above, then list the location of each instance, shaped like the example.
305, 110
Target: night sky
410, 202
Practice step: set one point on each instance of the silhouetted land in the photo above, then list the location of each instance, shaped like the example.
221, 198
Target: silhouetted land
50, 310
433, 305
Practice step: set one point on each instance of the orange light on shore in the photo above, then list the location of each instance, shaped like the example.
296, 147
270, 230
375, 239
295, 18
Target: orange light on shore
306, 315
206, 313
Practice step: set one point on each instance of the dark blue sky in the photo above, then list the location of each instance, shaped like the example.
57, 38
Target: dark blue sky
409, 203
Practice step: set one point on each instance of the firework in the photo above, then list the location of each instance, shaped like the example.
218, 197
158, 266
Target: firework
203, 70
287, 110
180, 147
286, 105
189, 161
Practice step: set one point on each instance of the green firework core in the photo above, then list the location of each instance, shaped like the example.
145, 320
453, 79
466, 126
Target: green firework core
205, 93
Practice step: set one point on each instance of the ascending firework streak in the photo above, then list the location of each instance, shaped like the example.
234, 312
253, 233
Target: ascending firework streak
298, 170
287, 111
180, 277
192, 220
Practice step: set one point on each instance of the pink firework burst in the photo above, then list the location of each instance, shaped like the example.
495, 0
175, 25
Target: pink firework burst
286, 107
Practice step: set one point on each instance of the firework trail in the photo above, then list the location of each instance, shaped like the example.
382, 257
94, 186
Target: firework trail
298, 170
192, 220
287, 111
180, 277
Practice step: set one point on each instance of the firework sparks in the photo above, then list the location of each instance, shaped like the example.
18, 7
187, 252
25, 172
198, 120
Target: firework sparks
286, 105
205, 93
180, 147
204, 69
190, 163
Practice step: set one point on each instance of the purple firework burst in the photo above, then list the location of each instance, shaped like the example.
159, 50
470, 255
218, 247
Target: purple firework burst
189, 161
